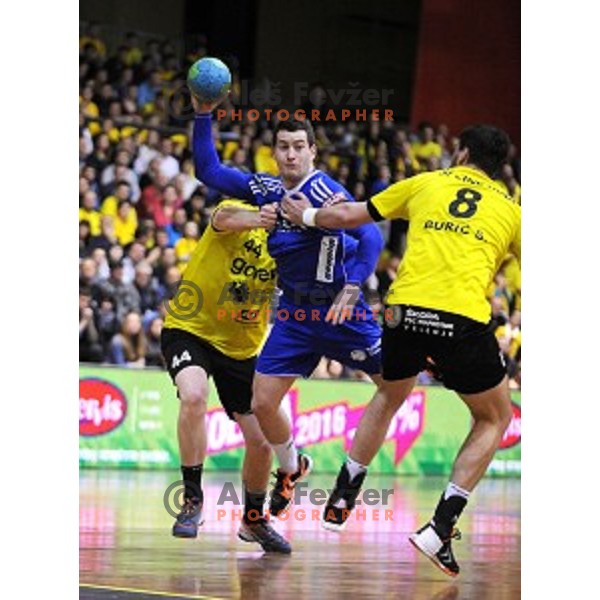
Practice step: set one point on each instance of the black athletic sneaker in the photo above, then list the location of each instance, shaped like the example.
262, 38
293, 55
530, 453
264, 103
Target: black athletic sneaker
189, 519
283, 491
262, 532
342, 499
428, 541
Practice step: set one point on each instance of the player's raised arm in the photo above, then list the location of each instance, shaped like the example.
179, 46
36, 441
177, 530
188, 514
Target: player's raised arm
208, 167
234, 218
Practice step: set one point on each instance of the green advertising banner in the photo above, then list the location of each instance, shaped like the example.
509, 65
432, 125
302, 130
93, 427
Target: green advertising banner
128, 418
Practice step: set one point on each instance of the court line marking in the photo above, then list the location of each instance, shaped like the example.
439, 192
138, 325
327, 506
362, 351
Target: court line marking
112, 588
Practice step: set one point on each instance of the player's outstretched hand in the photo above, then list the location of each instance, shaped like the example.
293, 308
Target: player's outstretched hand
292, 207
343, 305
268, 215
206, 107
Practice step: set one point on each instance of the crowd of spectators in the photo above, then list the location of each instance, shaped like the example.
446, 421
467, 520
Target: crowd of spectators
142, 211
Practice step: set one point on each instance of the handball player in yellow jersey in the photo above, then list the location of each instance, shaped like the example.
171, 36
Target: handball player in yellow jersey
215, 326
461, 227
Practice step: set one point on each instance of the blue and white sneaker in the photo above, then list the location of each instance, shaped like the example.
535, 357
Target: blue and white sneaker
189, 519
262, 532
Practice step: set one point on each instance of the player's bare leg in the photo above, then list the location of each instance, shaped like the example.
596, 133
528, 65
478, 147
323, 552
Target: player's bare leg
367, 441
491, 412
376, 419
258, 455
192, 389
268, 392
256, 468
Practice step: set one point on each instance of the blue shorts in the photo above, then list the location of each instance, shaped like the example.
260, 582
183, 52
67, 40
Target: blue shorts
301, 336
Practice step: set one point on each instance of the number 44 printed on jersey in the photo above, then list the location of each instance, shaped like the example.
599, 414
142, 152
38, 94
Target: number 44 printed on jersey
183, 357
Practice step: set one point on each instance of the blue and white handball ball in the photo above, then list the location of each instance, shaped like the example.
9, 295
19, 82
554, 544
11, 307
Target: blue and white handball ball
209, 79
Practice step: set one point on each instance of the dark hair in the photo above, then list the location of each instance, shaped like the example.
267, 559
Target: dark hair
143, 229
296, 125
106, 296
122, 182
488, 147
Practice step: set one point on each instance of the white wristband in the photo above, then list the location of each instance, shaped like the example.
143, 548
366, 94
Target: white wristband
309, 215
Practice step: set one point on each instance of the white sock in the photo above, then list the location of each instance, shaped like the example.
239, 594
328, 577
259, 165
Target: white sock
354, 468
287, 455
454, 490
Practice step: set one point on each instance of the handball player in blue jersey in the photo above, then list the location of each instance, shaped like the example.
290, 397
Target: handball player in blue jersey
320, 273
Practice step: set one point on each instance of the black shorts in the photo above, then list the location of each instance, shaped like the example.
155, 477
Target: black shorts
465, 352
233, 378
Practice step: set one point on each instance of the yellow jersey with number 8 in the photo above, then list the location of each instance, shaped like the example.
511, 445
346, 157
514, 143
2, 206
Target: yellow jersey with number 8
461, 227
226, 289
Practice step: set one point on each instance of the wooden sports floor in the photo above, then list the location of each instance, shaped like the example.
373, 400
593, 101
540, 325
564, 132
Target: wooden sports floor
127, 551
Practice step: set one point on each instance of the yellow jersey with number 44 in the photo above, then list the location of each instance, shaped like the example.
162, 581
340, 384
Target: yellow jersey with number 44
225, 293
461, 227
